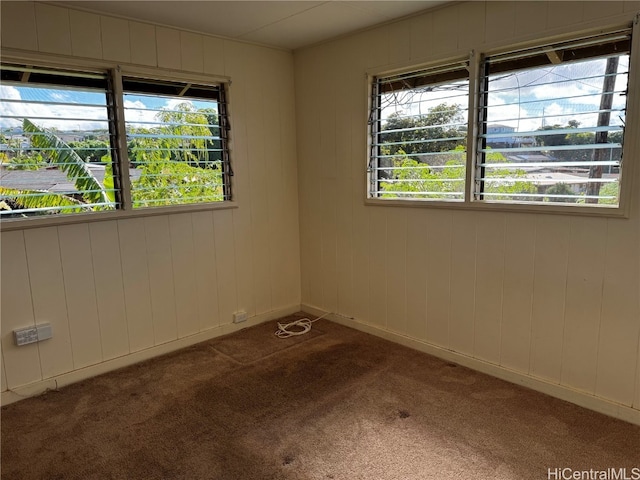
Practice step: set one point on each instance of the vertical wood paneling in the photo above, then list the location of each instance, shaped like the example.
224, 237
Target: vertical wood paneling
259, 188
500, 18
213, 56
549, 289
22, 364
489, 286
240, 111
107, 271
587, 248
86, 38
463, 275
168, 48
399, 43
161, 280
115, 39
3, 373
329, 254
518, 292
344, 251
225, 265
417, 266
446, 28
439, 253
143, 44
53, 29
191, 48
135, 276
563, 13
531, 16
19, 25
595, 10
205, 270
48, 293
289, 181
80, 291
471, 29
421, 29
378, 267
277, 231
397, 272
184, 279
619, 327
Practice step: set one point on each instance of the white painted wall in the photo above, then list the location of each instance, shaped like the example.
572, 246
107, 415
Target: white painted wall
114, 289
509, 289
550, 297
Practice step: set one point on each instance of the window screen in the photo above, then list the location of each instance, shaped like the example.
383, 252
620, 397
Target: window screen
55, 142
552, 123
176, 143
418, 128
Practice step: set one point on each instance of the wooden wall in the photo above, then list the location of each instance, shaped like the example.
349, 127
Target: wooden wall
115, 288
550, 297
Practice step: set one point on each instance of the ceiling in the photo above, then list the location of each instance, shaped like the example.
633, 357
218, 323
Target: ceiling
285, 24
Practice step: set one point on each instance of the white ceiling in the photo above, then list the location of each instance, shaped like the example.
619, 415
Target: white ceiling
286, 24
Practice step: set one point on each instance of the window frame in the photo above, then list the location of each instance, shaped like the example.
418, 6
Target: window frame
631, 147
120, 159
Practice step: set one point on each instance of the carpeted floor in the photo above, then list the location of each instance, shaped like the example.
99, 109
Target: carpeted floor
337, 404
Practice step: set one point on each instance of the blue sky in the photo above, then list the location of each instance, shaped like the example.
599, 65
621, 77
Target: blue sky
543, 91
65, 108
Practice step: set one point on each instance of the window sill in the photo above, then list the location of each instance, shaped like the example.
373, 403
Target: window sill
482, 206
54, 221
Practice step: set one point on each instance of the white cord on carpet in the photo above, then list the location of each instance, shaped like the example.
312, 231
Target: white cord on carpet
303, 326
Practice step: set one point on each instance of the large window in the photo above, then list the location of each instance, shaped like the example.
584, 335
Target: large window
55, 143
553, 122
548, 128
419, 134
69, 143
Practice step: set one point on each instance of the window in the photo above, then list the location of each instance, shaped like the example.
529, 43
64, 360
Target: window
547, 129
552, 123
419, 134
61, 151
176, 145
55, 143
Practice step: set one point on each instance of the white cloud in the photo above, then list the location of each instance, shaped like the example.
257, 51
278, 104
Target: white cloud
61, 117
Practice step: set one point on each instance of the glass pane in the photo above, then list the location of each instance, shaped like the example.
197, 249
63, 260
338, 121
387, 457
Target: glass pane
554, 133
420, 144
55, 151
175, 150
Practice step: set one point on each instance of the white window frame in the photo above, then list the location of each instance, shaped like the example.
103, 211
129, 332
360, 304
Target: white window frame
116, 73
631, 147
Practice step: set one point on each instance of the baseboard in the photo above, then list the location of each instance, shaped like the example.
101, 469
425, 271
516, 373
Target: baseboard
53, 383
562, 392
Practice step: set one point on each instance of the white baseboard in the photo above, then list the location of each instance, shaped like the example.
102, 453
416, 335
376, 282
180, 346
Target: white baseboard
583, 399
36, 388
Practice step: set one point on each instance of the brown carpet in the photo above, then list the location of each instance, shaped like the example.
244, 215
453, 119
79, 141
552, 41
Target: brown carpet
338, 405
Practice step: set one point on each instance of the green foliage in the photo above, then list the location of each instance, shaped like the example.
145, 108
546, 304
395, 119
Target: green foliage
172, 183
91, 150
64, 158
174, 160
610, 189
26, 162
40, 199
176, 166
416, 139
560, 189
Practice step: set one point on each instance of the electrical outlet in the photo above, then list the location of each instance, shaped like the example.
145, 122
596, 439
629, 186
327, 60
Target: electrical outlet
239, 317
25, 336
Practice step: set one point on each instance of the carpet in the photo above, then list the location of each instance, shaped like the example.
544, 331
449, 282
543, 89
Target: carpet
340, 405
